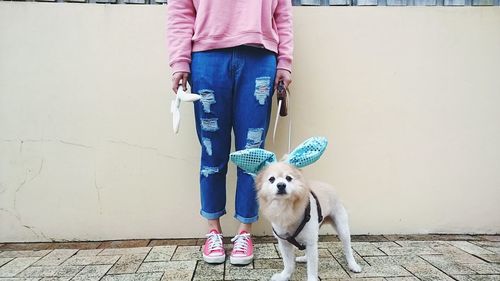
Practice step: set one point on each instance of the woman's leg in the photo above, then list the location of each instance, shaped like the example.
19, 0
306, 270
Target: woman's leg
211, 78
254, 81
214, 224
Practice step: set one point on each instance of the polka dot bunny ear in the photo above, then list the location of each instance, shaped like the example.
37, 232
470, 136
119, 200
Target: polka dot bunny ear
308, 152
252, 160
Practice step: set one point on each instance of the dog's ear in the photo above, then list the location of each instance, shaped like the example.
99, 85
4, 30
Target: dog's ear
308, 152
252, 160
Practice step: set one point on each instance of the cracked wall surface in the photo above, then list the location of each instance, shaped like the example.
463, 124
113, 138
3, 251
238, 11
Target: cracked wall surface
87, 150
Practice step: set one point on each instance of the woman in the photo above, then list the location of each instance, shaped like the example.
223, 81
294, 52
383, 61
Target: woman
234, 53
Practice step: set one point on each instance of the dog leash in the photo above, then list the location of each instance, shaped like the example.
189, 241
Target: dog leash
307, 217
280, 104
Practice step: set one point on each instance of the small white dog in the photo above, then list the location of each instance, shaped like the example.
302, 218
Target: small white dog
296, 207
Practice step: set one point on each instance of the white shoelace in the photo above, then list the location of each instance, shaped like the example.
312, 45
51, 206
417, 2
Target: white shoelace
214, 241
241, 242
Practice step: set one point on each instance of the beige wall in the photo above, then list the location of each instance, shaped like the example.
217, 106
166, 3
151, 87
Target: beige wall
407, 96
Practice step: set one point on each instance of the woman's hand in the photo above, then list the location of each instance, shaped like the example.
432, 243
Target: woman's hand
179, 77
283, 75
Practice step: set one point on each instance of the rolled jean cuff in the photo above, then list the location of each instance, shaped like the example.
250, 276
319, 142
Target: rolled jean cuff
212, 216
246, 220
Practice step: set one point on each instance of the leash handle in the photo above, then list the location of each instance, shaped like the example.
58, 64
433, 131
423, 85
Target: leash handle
283, 97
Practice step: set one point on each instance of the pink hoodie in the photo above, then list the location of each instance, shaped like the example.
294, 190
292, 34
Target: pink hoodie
200, 25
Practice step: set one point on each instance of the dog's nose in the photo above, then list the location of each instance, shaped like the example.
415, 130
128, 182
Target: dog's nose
281, 187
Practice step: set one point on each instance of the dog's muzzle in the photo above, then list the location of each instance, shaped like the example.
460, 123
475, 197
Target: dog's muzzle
281, 188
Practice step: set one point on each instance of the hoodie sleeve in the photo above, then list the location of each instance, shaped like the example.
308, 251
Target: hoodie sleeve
181, 15
283, 19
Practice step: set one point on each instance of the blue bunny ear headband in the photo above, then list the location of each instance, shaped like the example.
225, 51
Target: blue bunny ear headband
252, 160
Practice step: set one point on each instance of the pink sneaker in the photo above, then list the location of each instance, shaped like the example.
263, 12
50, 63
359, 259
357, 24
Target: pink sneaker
213, 250
242, 249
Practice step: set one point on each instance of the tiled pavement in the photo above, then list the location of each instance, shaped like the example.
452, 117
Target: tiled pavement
388, 257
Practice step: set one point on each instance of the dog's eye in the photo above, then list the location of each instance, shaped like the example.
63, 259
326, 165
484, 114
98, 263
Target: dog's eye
289, 178
271, 179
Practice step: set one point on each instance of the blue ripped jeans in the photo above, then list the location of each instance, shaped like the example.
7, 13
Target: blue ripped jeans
236, 85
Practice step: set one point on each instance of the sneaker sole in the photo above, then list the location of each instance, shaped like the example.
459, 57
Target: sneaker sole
241, 260
217, 259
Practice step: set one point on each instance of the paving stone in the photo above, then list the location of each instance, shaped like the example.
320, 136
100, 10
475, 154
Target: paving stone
206, 272
430, 237
89, 252
489, 245
28, 253
92, 273
300, 273
457, 237
327, 238
369, 238
245, 273
335, 246
127, 264
176, 242
430, 244
366, 249
386, 244
16, 265
470, 248
153, 276
178, 270
92, 260
446, 265
51, 271
399, 279
124, 244
268, 263
359, 279
167, 266
394, 251
322, 253
184, 253
486, 268
477, 277
56, 257
456, 254
330, 268
5, 260
491, 258
19, 279
161, 253
427, 272
261, 239
265, 251
490, 237
381, 271
340, 257
396, 260
418, 237
24, 246
124, 251
74, 245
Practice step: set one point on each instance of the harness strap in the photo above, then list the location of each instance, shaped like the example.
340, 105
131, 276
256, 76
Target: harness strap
318, 207
307, 217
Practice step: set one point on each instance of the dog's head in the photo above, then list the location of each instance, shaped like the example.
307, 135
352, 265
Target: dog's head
280, 180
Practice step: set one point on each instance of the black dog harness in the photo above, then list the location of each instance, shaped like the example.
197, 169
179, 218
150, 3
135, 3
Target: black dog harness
307, 218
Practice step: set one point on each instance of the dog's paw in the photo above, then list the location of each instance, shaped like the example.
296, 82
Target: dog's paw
280, 277
354, 267
301, 259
